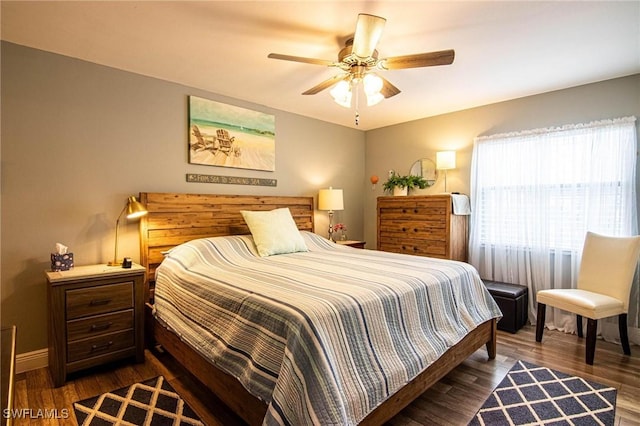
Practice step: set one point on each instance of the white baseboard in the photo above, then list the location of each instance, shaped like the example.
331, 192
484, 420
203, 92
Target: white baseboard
32, 360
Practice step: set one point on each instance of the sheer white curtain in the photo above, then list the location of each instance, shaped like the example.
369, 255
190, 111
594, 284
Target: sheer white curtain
534, 196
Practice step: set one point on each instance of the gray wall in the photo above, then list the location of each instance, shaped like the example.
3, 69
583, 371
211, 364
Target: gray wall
397, 147
78, 138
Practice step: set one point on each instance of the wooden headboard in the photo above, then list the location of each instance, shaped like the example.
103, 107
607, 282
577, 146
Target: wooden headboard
176, 218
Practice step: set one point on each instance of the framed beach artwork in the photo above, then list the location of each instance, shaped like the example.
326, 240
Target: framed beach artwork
229, 136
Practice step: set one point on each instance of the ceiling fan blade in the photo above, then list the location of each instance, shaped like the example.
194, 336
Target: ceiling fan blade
368, 32
388, 90
443, 57
301, 59
324, 85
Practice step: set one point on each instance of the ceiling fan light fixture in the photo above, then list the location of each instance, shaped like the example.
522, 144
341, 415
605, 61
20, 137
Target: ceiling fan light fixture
372, 86
341, 93
374, 98
372, 83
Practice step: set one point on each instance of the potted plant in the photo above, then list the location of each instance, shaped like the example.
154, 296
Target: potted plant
400, 185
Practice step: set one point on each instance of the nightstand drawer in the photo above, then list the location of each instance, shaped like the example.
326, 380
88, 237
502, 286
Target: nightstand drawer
98, 300
99, 324
87, 348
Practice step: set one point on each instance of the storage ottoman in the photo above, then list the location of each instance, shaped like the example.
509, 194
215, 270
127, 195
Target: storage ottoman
513, 301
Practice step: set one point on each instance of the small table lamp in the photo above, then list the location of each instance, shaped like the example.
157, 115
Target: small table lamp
331, 200
134, 210
445, 160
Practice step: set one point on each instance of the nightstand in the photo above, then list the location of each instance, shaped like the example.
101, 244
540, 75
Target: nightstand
96, 315
352, 243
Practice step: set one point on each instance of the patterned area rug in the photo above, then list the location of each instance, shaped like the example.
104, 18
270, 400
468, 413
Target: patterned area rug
152, 402
535, 395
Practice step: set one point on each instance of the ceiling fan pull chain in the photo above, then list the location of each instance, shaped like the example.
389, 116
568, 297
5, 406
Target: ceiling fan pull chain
355, 89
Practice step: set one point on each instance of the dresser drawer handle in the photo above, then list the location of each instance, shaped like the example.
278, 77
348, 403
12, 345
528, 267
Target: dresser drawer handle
100, 327
404, 229
98, 302
101, 347
404, 210
415, 249
415, 210
415, 229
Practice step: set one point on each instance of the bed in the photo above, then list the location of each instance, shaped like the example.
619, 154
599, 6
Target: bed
330, 334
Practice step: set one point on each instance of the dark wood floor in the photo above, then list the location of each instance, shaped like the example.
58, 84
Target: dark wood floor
452, 401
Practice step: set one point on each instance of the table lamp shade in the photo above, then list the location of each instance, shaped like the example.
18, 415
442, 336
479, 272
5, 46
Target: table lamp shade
330, 199
445, 160
134, 210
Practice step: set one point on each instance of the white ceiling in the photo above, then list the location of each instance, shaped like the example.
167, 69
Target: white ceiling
504, 50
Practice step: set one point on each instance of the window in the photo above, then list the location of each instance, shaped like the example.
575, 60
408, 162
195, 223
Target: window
546, 188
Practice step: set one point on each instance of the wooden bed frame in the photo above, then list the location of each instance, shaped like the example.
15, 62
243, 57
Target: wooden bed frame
176, 218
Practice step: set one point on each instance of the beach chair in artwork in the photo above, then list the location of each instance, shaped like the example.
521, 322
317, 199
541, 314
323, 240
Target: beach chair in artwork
224, 140
201, 143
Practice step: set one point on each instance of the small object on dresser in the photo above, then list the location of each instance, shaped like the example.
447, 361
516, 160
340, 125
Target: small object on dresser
126, 263
61, 260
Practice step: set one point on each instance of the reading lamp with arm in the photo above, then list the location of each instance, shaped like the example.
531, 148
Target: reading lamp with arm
134, 210
330, 200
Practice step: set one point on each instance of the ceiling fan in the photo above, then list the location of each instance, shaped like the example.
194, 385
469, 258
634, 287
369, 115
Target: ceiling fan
359, 59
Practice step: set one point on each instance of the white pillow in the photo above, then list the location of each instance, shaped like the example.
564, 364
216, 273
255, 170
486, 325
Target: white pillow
274, 232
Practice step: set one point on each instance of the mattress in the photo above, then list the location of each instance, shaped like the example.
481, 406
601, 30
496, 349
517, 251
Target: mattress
322, 336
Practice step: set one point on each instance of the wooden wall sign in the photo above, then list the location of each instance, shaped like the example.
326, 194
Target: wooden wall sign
234, 180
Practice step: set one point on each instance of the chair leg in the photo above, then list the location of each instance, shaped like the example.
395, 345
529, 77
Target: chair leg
592, 328
624, 336
542, 310
579, 324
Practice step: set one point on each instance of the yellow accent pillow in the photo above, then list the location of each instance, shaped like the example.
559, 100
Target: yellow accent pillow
274, 231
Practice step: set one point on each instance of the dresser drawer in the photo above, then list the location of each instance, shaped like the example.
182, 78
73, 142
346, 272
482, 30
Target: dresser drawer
414, 205
97, 300
418, 248
432, 230
422, 213
101, 345
99, 324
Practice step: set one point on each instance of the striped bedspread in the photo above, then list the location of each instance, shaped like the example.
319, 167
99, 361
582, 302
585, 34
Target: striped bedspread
324, 336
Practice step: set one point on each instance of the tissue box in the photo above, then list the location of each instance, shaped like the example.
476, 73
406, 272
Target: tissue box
61, 262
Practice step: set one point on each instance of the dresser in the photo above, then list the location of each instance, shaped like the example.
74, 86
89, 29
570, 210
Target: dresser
422, 225
96, 315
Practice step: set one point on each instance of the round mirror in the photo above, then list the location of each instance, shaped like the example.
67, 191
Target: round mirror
425, 168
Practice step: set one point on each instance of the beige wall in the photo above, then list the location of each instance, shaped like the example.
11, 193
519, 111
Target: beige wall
397, 147
78, 138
